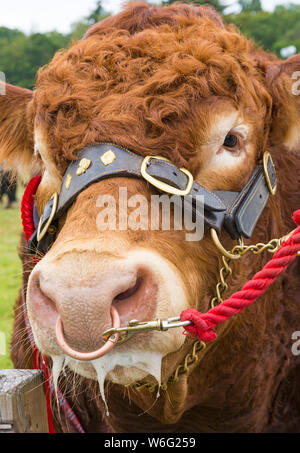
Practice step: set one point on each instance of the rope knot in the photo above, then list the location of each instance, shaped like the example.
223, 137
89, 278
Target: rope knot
200, 327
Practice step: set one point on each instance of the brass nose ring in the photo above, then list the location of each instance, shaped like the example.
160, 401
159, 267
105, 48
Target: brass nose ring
87, 356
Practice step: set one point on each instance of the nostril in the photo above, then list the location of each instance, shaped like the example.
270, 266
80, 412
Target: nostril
138, 301
129, 292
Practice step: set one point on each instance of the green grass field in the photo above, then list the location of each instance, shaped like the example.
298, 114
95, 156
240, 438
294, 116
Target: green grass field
10, 275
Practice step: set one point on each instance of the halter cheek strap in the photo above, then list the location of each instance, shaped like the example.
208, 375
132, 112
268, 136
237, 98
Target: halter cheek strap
237, 212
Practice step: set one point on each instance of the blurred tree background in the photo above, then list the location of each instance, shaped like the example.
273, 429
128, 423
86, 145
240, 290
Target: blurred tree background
21, 55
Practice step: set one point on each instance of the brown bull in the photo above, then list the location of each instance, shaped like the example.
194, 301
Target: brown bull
171, 81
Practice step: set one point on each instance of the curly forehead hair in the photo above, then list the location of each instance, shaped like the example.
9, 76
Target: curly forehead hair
138, 79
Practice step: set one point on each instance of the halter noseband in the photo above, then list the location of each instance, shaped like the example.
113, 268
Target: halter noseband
237, 212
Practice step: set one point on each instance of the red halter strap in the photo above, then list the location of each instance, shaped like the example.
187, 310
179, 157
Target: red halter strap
27, 206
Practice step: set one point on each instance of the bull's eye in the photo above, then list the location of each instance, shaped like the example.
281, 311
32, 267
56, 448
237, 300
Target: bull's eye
230, 141
233, 143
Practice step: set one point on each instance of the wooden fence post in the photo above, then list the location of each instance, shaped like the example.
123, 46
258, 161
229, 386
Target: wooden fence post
22, 402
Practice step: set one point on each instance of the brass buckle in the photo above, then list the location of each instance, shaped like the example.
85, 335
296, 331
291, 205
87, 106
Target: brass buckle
164, 187
266, 158
41, 234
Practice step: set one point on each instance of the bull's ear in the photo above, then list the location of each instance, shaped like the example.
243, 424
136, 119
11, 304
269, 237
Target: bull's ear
16, 127
283, 81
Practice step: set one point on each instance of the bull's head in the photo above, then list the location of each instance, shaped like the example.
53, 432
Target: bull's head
171, 81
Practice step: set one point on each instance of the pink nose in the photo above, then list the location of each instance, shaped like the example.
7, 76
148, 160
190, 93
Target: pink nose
88, 299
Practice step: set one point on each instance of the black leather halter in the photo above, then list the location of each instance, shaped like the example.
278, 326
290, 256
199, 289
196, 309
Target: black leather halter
237, 212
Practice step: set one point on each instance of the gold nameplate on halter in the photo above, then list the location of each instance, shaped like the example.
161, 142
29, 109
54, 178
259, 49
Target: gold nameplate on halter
41, 234
84, 165
68, 181
164, 187
266, 159
108, 158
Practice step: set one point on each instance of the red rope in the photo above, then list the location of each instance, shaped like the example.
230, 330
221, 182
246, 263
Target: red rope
39, 362
45, 367
27, 206
205, 323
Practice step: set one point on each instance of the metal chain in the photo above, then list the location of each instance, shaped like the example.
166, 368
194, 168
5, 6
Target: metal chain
240, 250
222, 286
191, 359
